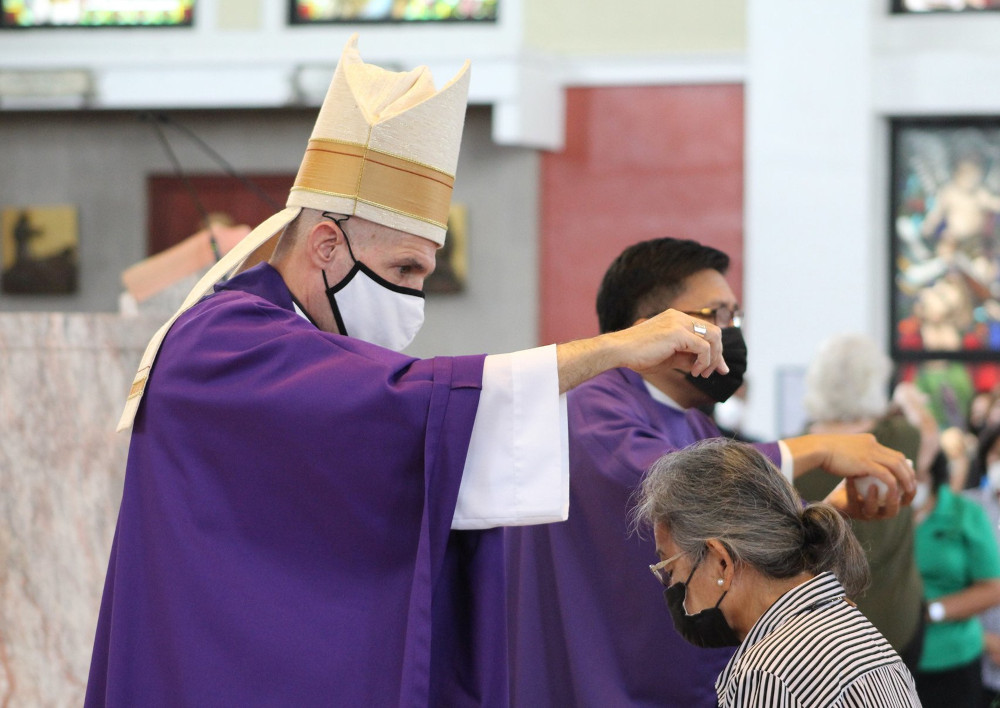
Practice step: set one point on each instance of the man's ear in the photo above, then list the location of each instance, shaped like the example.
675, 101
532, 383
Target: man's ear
720, 563
322, 242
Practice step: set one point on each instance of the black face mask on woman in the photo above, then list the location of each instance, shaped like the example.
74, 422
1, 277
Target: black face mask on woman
707, 629
719, 387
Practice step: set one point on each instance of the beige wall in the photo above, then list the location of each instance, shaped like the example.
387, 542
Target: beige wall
238, 14
592, 27
635, 26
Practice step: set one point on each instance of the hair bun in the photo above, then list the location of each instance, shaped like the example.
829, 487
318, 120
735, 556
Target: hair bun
817, 529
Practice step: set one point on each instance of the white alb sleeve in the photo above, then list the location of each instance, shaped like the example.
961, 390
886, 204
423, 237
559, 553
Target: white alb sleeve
517, 469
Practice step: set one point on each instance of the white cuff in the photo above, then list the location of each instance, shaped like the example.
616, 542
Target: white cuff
517, 469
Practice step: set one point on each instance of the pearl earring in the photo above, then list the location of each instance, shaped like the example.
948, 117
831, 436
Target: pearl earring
720, 582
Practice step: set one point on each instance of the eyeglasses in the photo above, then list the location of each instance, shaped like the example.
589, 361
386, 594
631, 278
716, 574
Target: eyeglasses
660, 569
719, 316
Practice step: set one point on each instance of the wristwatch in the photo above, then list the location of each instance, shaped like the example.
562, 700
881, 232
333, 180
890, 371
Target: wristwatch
935, 612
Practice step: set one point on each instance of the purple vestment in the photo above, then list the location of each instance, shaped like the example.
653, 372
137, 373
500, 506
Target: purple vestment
589, 626
284, 534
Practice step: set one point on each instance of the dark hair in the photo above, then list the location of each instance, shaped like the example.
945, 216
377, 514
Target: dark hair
729, 491
645, 278
939, 471
987, 438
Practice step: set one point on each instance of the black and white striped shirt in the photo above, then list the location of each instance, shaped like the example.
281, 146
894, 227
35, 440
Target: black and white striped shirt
815, 648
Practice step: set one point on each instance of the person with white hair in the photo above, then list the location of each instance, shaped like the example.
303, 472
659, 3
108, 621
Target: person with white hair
847, 391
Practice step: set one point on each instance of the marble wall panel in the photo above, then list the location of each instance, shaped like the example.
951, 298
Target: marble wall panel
63, 381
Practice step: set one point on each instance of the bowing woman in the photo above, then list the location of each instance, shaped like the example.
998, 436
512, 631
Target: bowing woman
746, 564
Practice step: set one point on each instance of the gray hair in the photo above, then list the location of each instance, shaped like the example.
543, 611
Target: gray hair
848, 380
729, 491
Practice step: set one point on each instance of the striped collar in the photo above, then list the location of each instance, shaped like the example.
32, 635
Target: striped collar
811, 595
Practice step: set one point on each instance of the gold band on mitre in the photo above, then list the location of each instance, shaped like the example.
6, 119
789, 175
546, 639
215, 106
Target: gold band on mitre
385, 147
358, 172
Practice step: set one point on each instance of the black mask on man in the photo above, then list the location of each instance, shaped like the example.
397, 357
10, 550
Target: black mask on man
719, 387
707, 629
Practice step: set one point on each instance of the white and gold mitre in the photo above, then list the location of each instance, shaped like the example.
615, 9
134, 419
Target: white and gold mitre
384, 148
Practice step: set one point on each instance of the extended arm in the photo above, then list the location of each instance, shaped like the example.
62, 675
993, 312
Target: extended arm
852, 456
670, 336
991, 646
516, 470
970, 601
913, 403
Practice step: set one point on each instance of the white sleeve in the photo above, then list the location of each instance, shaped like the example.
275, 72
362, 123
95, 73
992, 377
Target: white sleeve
517, 469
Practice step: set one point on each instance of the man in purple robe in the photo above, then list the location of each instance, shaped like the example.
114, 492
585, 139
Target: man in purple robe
311, 518
588, 624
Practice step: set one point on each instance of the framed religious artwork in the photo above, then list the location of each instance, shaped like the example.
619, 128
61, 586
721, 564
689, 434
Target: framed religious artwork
30, 14
945, 239
307, 12
40, 249
181, 205
923, 7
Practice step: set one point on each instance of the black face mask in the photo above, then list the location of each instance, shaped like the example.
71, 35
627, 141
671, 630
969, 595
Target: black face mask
719, 387
707, 629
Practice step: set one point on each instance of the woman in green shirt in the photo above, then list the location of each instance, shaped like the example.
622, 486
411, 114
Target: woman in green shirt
958, 560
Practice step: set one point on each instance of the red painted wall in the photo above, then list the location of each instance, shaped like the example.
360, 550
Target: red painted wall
639, 163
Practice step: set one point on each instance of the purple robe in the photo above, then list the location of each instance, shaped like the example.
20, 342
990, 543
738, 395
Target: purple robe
588, 624
284, 534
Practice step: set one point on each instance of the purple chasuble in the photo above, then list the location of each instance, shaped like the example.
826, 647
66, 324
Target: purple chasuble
284, 533
588, 624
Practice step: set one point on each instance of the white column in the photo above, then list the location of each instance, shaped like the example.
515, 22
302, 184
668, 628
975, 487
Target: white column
814, 256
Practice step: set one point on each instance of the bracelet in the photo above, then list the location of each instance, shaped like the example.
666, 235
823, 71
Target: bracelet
935, 611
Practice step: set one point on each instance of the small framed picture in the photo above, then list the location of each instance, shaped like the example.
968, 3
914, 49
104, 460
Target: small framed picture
40, 249
452, 259
945, 239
